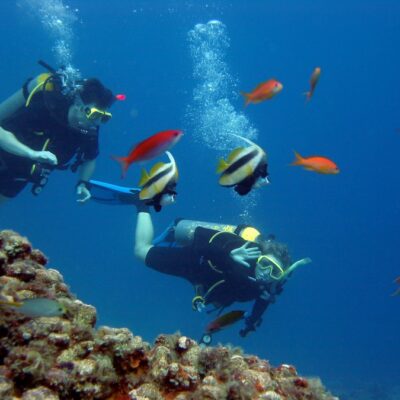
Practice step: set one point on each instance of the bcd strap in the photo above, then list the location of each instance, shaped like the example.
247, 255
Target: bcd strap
25, 90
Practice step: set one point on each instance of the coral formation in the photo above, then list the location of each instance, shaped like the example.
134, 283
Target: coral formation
68, 358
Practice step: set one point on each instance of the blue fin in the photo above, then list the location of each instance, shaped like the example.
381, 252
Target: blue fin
107, 193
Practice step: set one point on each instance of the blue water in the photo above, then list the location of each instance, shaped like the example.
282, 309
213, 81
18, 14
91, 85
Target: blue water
336, 318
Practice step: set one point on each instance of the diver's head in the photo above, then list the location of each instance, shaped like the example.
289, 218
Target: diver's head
268, 269
273, 262
89, 106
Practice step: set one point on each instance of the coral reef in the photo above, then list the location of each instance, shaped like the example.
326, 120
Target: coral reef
68, 358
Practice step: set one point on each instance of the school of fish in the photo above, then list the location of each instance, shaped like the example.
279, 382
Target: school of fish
244, 169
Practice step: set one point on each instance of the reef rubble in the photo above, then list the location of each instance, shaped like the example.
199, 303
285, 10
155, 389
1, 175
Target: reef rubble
67, 358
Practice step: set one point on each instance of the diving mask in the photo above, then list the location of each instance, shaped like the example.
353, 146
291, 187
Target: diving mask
93, 113
268, 268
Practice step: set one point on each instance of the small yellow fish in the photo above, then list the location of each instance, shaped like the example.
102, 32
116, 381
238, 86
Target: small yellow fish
38, 307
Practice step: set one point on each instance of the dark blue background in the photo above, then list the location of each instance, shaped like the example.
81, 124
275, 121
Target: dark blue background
336, 318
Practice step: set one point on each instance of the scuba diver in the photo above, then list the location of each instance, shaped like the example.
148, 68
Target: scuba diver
224, 263
51, 123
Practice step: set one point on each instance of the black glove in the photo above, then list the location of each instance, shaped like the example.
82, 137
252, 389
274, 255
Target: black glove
250, 326
142, 207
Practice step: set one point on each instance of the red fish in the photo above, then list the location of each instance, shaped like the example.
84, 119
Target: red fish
120, 97
224, 320
150, 148
313, 82
264, 91
318, 164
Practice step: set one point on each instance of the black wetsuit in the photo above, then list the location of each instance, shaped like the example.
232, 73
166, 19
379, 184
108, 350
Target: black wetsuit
32, 126
206, 263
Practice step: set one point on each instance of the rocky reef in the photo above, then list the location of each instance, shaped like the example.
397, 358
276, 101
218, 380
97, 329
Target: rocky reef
49, 358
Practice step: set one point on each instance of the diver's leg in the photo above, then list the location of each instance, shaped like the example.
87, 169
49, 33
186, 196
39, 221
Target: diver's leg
11, 185
144, 234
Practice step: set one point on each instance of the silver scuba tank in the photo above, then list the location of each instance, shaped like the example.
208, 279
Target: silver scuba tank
184, 230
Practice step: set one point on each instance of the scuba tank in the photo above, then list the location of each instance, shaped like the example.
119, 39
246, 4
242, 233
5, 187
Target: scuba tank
19, 99
58, 92
184, 230
50, 81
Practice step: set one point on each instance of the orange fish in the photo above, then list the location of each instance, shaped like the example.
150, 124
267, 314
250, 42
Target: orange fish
313, 82
318, 164
264, 91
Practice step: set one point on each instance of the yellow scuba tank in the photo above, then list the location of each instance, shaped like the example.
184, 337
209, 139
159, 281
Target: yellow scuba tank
184, 230
23, 96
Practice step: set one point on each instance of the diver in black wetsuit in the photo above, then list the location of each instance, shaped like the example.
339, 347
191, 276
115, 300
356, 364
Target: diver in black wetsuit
225, 264
45, 125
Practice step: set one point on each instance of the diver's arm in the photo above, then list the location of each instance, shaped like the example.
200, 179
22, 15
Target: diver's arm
244, 254
144, 234
213, 244
10, 144
254, 319
85, 172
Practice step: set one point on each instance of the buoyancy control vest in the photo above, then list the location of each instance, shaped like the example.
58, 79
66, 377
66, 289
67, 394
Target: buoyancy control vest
37, 114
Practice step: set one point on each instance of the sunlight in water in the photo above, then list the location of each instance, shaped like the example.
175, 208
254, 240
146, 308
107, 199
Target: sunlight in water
211, 115
58, 20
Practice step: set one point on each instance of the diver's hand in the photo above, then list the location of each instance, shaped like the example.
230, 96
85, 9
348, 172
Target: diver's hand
199, 306
244, 254
83, 193
45, 157
250, 326
198, 303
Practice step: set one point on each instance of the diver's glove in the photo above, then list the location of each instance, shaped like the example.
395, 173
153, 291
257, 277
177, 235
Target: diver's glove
83, 191
244, 254
250, 326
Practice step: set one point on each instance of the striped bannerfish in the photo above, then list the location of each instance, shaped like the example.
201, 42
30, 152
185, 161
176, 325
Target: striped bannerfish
245, 168
158, 185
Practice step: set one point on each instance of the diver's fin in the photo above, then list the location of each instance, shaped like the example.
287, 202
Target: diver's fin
107, 193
